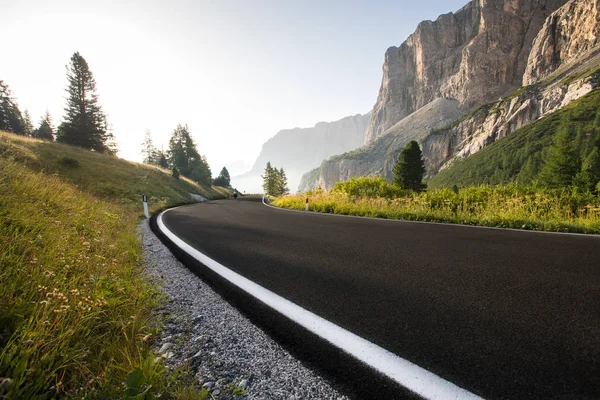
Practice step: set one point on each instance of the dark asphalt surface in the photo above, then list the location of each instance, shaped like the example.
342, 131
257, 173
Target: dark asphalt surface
501, 313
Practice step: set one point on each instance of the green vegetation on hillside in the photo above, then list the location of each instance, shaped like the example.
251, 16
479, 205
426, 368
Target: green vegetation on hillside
76, 312
105, 176
511, 206
520, 156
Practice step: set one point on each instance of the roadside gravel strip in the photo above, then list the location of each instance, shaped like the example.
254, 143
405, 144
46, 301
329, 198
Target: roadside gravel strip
225, 350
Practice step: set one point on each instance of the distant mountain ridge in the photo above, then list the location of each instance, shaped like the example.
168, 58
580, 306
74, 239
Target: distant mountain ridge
298, 150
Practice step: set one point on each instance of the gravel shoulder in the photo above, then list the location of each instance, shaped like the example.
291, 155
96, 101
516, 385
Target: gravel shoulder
226, 352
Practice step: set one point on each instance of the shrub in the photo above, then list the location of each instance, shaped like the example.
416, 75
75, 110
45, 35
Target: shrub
69, 162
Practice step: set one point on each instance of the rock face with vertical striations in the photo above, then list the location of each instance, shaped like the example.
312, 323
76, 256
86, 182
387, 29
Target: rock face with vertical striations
475, 55
569, 36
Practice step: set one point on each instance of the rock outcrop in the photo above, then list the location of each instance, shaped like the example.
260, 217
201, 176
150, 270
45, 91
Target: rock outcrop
570, 35
493, 121
380, 156
301, 149
475, 55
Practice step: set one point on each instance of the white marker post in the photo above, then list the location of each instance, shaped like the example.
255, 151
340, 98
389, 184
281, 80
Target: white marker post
145, 200
307, 204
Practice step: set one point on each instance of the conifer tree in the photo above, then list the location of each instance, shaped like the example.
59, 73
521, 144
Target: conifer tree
269, 179
11, 119
27, 124
161, 159
84, 124
410, 168
148, 150
561, 162
589, 176
45, 130
184, 155
223, 179
282, 183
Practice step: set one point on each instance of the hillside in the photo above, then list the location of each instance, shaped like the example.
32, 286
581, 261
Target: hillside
77, 314
108, 177
519, 155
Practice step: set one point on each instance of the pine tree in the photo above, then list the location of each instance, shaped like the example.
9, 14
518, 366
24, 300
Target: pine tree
410, 168
85, 124
148, 150
282, 183
11, 119
269, 179
223, 179
561, 162
162, 159
589, 176
184, 155
45, 130
27, 124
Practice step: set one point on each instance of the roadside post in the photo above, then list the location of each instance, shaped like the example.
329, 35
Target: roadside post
307, 204
145, 200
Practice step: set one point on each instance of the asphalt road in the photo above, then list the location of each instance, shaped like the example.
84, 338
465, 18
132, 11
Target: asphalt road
501, 313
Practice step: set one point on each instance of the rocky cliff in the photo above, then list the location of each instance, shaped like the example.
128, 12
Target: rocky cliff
301, 149
379, 157
564, 54
569, 36
496, 120
475, 55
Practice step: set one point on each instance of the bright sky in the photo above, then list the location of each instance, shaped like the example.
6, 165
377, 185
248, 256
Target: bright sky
236, 71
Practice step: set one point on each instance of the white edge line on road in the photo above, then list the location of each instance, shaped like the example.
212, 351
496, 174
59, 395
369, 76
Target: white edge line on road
407, 374
432, 222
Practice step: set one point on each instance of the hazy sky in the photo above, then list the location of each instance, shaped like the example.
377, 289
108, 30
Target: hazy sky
235, 71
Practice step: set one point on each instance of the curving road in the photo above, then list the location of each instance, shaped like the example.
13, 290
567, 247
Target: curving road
500, 313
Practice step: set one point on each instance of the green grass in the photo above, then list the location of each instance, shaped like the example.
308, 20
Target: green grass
76, 313
105, 176
511, 206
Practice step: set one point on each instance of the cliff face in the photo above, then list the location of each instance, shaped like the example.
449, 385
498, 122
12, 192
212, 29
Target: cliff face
569, 35
495, 121
301, 149
474, 55
380, 156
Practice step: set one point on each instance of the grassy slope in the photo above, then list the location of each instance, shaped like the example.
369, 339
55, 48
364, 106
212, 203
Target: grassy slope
502, 161
75, 312
107, 177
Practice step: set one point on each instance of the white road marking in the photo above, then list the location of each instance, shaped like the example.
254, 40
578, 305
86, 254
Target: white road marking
407, 374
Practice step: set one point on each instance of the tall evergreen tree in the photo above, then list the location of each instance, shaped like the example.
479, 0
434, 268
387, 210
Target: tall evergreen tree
185, 157
589, 176
282, 183
45, 130
149, 152
11, 119
410, 168
561, 162
223, 179
269, 179
84, 124
161, 159
27, 124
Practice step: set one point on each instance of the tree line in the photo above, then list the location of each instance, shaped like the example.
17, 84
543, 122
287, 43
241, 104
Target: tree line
274, 181
183, 158
84, 123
